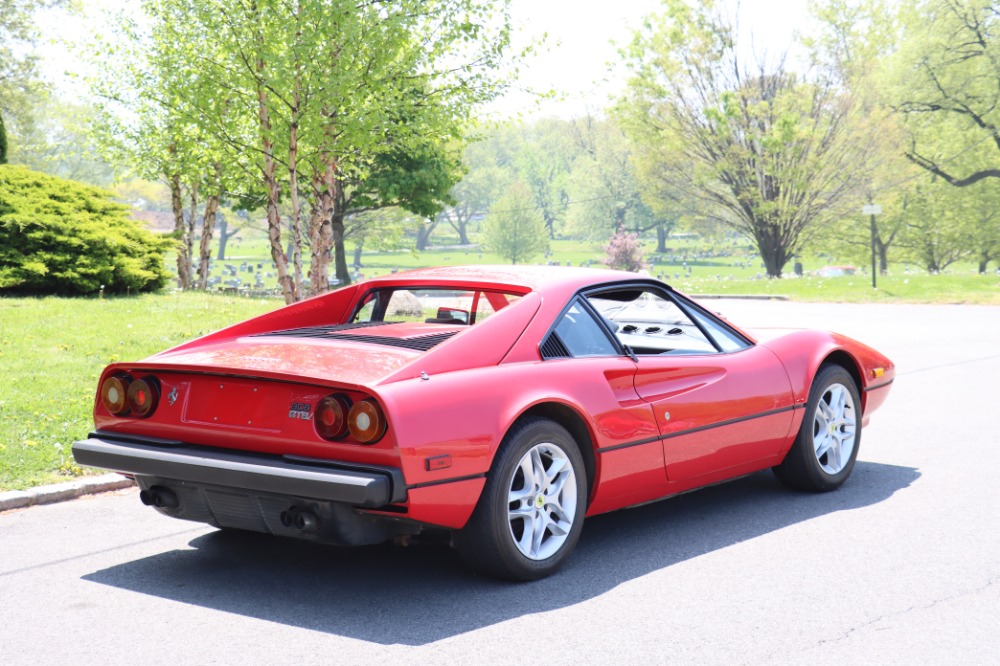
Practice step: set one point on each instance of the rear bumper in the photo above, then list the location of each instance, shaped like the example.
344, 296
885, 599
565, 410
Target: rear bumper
333, 481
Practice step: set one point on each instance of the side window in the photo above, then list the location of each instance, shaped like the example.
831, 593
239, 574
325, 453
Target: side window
726, 339
366, 312
650, 322
578, 334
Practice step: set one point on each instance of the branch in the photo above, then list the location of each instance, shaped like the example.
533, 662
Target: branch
933, 168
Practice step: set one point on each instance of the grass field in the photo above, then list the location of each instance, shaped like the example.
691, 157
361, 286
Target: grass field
52, 350
735, 270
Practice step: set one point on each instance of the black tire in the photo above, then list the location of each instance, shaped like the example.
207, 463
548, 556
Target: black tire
806, 466
495, 543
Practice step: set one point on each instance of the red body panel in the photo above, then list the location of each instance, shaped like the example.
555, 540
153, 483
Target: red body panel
651, 426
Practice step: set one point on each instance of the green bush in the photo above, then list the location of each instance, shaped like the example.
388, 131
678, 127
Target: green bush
62, 237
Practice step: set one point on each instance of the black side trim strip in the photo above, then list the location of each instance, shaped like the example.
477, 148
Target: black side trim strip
141, 439
878, 386
629, 444
441, 482
710, 426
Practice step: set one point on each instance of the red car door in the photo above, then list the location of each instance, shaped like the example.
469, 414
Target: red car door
716, 411
720, 402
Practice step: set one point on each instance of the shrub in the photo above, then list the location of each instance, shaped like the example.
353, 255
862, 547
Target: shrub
62, 237
624, 252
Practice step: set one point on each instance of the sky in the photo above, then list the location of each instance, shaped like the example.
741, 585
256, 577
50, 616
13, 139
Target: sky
581, 37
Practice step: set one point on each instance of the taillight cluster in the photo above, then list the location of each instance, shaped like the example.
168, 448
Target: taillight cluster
337, 416
125, 395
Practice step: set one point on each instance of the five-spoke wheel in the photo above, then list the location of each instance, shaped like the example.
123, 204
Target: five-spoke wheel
530, 513
824, 452
542, 501
834, 429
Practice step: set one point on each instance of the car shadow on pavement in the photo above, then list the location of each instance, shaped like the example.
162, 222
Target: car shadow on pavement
423, 593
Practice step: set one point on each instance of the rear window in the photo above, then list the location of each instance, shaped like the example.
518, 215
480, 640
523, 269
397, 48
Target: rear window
453, 307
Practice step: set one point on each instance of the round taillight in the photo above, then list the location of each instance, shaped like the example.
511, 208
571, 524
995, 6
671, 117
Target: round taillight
143, 394
114, 394
331, 416
366, 422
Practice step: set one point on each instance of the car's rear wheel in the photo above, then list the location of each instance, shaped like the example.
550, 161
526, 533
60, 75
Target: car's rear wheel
530, 514
826, 448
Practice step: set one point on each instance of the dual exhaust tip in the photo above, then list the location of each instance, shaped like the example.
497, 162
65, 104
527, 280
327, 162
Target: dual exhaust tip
302, 520
161, 497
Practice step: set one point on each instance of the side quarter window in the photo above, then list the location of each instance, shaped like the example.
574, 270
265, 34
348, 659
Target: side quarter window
578, 334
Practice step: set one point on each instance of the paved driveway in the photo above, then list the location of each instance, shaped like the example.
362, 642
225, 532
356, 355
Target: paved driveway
902, 565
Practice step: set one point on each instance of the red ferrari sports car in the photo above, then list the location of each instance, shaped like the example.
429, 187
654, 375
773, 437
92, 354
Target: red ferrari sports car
502, 403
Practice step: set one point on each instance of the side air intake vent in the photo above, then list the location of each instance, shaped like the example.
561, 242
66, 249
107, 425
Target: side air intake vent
554, 348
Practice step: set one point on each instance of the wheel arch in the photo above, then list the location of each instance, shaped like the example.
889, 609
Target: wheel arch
843, 359
575, 424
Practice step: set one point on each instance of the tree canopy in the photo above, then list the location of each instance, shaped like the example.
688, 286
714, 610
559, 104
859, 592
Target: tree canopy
761, 149
315, 100
515, 228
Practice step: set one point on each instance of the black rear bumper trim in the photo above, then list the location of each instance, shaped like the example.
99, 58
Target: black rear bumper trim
362, 487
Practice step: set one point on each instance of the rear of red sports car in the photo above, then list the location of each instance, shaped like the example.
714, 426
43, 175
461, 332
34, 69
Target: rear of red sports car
288, 423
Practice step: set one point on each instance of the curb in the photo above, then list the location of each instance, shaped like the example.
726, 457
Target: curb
743, 297
58, 492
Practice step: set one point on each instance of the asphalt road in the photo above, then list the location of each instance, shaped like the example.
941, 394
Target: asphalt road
901, 565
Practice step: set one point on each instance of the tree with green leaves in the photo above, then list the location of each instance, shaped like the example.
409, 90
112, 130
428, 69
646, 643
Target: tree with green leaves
604, 186
767, 152
515, 228
320, 95
854, 38
948, 71
19, 81
482, 182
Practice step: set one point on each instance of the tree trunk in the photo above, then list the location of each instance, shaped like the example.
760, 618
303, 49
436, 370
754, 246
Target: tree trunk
180, 232
293, 150
320, 231
207, 227
285, 281
883, 256
661, 238
224, 235
463, 232
339, 255
424, 232
189, 235
772, 251
3, 141
358, 249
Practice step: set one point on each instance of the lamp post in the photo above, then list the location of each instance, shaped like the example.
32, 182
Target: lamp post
873, 210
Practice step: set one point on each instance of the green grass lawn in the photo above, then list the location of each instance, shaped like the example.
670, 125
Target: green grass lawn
686, 267
52, 351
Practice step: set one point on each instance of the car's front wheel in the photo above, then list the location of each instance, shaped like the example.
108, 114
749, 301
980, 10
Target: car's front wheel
530, 514
826, 448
